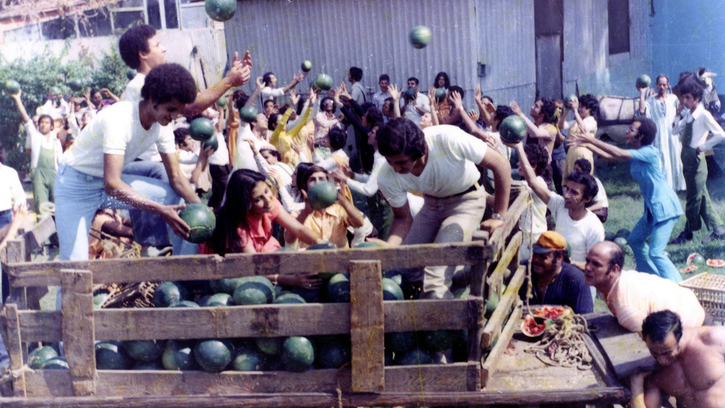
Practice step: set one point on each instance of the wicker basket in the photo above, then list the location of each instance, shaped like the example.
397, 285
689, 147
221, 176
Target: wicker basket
710, 290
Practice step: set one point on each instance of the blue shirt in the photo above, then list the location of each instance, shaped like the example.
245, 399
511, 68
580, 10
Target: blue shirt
567, 289
659, 199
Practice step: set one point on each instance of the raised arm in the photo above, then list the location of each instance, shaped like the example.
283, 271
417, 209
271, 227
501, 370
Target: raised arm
540, 188
534, 130
255, 94
110, 94
485, 107
610, 150
238, 75
643, 101
433, 106
21, 108
470, 124
395, 94
295, 80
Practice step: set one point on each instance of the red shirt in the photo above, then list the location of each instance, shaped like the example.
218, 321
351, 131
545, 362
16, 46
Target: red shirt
259, 233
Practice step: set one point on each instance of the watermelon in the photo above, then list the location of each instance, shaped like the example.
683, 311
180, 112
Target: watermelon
695, 259
609, 236
178, 356
409, 94
99, 298
201, 221
184, 303
290, 298
248, 114
533, 327
322, 195
75, 84
552, 312
414, 356
12, 87
491, 303
391, 290
621, 241
169, 292
270, 346
322, 246
399, 342
222, 102
131, 74
57, 363
144, 350
56, 90
513, 129
201, 129
253, 293
219, 299
226, 285
439, 340
395, 276
440, 93
332, 355
306, 66
110, 355
323, 82
689, 269
715, 263
338, 288
569, 99
297, 354
309, 295
220, 10
462, 293
39, 356
643, 81
623, 232
287, 249
212, 141
367, 244
150, 366
248, 360
420, 36
213, 355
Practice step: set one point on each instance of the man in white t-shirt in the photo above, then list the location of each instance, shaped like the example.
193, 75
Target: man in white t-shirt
414, 104
579, 226
533, 220
439, 162
90, 175
270, 81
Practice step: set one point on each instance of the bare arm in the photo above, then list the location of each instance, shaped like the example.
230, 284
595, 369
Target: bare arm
610, 150
534, 130
177, 181
21, 108
470, 124
402, 220
201, 162
255, 94
501, 169
356, 217
238, 75
110, 94
434, 107
295, 80
540, 188
290, 223
395, 93
642, 102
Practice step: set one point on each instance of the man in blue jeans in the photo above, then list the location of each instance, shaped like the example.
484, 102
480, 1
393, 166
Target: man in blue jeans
90, 175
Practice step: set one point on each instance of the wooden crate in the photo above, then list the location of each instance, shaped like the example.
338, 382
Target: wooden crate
367, 382
710, 290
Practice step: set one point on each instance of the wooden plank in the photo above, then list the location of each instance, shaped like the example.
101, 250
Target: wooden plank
415, 379
248, 321
626, 351
78, 329
602, 395
367, 326
489, 366
511, 220
14, 347
474, 343
493, 327
504, 263
600, 363
181, 268
38, 235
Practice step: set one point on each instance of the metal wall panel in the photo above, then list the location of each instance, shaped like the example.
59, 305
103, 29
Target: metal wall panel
370, 34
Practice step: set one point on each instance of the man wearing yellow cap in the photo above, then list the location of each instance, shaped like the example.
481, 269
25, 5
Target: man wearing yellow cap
553, 281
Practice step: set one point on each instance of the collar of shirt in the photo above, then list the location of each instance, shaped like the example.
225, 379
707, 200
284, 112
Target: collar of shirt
691, 116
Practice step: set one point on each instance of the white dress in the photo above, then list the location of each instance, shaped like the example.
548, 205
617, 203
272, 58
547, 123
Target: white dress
669, 144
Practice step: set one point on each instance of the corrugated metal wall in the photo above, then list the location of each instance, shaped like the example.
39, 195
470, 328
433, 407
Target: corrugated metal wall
370, 34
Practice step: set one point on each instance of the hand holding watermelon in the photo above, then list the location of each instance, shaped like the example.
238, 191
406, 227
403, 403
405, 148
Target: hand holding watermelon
170, 215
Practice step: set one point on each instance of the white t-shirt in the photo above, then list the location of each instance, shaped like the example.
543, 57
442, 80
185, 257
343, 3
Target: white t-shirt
581, 235
133, 89
221, 156
451, 167
589, 122
11, 190
116, 130
601, 196
537, 214
269, 93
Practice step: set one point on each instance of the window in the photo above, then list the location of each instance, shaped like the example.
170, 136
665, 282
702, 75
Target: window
171, 13
95, 23
618, 26
30, 32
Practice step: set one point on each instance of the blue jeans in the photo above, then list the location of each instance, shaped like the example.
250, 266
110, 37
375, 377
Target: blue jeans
652, 258
149, 229
79, 196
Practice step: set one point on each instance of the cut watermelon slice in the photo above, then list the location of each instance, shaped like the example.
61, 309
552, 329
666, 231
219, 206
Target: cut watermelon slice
715, 263
689, 269
695, 259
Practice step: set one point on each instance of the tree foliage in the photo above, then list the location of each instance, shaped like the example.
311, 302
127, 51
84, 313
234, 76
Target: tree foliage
42, 72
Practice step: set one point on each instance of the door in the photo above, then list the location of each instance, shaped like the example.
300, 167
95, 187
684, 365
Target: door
549, 26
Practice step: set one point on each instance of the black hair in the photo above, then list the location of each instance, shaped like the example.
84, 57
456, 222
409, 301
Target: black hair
401, 136
488, 97
300, 105
616, 257
309, 171
374, 117
241, 101
267, 77
445, 78
133, 41
167, 82
693, 88
548, 109
356, 74
417, 82
384, 77
587, 180
365, 106
658, 325
456, 88
180, 135
338, 138
272, 121
273, 153
233, 213
537, 156
328, 98
585, 165
95, 91
503, 112
590, 102
301, 169
52, 122
647, 129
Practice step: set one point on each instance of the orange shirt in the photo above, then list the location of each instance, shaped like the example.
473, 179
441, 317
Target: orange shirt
636, 295
330, 224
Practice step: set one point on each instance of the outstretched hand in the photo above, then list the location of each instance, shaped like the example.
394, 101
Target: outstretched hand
455, 97
394, 92
241, 71
342, 91
515, 107
169, 213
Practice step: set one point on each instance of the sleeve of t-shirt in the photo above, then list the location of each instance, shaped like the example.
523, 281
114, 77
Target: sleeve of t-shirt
644, 154
31, 131
463, 145
591, 124
595, 234
165, 142
396, 196
556, 204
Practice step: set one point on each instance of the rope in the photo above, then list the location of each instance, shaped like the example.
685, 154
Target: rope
12, 375
562, 344
338, 389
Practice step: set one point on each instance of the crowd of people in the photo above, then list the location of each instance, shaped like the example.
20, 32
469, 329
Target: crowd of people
425, 170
